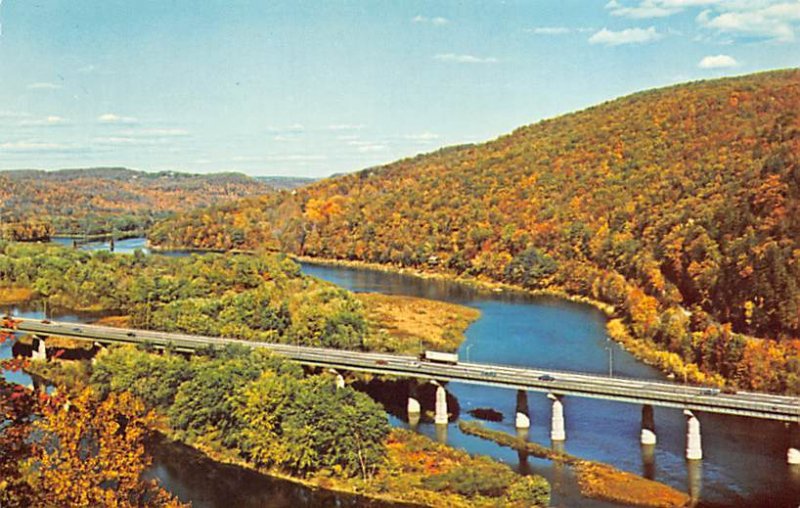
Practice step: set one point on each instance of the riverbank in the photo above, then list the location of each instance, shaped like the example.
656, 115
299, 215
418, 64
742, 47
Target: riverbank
415, 472
596, 480
15, 295
670, 364
479, 284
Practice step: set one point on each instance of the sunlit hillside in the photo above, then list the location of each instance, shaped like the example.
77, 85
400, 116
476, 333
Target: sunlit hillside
680, 206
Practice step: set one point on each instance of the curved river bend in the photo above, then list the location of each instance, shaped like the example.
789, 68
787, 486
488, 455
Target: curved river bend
744, 459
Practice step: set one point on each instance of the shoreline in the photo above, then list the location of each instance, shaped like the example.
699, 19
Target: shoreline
484, 285
595, 478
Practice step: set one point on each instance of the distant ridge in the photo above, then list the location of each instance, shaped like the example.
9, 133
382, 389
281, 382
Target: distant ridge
105, 199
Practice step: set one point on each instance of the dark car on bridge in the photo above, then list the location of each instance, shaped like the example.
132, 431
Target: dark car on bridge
546, 377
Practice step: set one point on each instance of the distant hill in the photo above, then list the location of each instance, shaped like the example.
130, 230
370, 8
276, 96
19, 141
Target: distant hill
99, 200
285, 182
680, 206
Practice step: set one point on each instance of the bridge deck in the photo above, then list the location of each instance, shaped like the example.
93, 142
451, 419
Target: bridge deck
638, 391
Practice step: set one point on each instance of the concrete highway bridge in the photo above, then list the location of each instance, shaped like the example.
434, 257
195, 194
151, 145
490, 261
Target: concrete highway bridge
556, 384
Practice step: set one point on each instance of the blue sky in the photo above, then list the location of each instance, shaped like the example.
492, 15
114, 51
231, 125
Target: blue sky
315, 88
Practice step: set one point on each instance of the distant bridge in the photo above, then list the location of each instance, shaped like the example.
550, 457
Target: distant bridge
556, 384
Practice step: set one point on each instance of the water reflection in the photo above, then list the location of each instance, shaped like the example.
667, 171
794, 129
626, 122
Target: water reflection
694, 470
441, 432
193, 477
649, 461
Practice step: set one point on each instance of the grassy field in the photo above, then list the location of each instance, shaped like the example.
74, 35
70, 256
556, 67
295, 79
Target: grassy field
409, 325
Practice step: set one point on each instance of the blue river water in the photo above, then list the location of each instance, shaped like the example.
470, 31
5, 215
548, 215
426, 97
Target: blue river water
744, 459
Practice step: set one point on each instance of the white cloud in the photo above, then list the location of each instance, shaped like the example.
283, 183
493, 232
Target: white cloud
775, 22
549, 30
345, 127
48, 121
435, 21
147, 137
628, 36
294, 128
31, 146
147, 133
377, 147
43, 86
717, 62
113, 118
5, 114
465, 59
367, 146
295, 158
422, 136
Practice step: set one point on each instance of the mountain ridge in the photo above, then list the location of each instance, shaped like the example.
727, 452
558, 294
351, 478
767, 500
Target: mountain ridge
684, 197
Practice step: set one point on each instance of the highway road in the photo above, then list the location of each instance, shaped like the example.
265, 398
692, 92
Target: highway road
561, 383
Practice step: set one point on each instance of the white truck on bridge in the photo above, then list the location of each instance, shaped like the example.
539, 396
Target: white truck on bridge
439, 357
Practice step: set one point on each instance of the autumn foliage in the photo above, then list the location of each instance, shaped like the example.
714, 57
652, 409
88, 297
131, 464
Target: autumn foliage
37, 204
679, 206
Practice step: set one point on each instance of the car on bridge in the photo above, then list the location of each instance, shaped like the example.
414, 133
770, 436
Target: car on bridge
546, 377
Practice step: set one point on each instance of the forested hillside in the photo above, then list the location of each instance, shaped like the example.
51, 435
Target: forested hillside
35, 204
679, 206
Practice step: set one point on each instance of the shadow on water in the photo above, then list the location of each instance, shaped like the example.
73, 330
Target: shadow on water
393, 395
192, 476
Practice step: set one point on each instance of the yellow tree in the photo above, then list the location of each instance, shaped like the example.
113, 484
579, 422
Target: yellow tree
92, 454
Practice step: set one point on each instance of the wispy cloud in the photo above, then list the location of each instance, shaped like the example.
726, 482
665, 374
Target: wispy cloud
643, 10
114, 118
435, 21
422, 137
43, 86
48, 121
628, 36
367, 146
777, 22
346, 127
549, 30
32, 146
464, 59
295, 128
717, 62
13, 115
141, 137
773, 20
146, 133
279, 158
296, 158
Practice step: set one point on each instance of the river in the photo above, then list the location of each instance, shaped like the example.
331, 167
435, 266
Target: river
744, 459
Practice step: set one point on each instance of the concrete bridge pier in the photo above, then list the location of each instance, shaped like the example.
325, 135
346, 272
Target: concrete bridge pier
648, 436
339, 378
793, 454
440, 415
557, 429
523, 419
413, 407
39, 350
694, 447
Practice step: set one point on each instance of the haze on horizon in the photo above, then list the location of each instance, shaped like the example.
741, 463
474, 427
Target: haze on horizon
311, 89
